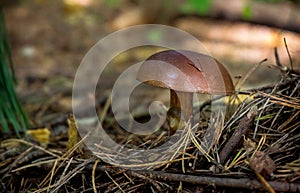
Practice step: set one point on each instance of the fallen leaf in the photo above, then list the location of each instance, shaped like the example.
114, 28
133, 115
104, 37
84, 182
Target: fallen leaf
262, 163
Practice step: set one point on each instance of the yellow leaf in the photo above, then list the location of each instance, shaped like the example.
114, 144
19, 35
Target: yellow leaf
42, 135
72, 132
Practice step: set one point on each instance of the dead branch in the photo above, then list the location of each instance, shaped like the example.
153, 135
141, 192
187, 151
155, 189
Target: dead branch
244, 125
218, 181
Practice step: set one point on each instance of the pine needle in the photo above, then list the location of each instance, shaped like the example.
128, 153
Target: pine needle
12, 116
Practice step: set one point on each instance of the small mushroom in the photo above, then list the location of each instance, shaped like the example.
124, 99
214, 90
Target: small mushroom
185, 73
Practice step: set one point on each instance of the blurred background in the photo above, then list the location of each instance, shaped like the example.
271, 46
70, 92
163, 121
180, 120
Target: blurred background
50, 38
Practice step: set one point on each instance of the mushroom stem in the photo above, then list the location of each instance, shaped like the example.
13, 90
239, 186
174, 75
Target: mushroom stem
181, 109
182, 101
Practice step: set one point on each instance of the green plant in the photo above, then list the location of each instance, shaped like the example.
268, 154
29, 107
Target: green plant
195, 6
112, 3
12, 116
247, 12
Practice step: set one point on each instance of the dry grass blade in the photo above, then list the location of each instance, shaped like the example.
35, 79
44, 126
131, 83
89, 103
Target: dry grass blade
288, 52
52, 174
249, 73
105, 109
199, 146
8, 141
265, 183
236, 160
120, 188
34, 165
65, 170
68, 176
290, 101
288, 121
93, 176
294, 103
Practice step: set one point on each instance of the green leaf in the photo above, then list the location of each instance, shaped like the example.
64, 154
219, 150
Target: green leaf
200, 6
247, 12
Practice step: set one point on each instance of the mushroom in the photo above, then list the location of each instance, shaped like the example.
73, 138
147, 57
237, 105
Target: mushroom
185, 73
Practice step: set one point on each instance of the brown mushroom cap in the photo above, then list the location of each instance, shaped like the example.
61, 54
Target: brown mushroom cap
186, 71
